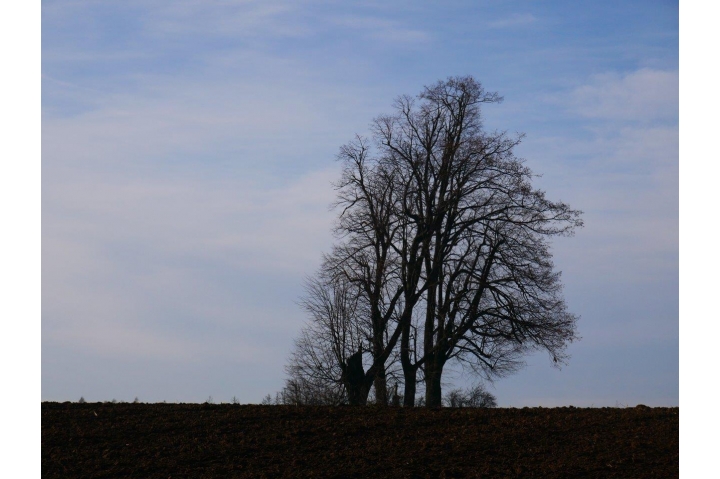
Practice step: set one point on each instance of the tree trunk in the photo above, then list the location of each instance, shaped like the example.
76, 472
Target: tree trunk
381, 392
354, 380
433, 387
395, 397
432, 373
409, 370
410, 388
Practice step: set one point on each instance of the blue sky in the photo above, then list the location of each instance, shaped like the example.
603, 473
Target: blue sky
188, 149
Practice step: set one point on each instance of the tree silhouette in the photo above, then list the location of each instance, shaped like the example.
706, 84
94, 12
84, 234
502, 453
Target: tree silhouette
444, 253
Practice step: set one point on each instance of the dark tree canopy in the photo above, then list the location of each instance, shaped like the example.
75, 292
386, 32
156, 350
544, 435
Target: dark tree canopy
443, 255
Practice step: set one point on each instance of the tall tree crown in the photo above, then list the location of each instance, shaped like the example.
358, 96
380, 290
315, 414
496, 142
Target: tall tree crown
445, 242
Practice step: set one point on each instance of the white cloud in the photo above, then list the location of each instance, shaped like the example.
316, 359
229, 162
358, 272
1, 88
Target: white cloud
242, 18
292, 119
390, 31
130, 265
237, 19
189, 204
623, 172
644, 95
626, 182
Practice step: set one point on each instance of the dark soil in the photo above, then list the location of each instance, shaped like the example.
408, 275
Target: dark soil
206, 440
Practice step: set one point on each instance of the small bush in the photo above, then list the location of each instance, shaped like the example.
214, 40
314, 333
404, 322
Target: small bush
474, 397
303, 391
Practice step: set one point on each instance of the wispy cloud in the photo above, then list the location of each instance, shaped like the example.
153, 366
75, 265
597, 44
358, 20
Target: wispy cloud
123, 254
166, 20
391, 31
237, 19
626, 183
642, 95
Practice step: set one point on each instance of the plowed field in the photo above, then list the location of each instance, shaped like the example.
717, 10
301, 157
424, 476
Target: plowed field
103, 440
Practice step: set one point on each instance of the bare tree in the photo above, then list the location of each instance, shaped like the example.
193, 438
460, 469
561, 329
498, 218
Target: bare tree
302, 391
473, 243
444, 254
345, 341
328, 353
476, 396
366, 260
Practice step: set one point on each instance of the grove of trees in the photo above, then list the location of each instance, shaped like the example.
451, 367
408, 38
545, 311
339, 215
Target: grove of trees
442, 257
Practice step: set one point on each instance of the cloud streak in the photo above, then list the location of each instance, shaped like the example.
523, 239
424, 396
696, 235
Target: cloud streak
123, 257
645, 95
